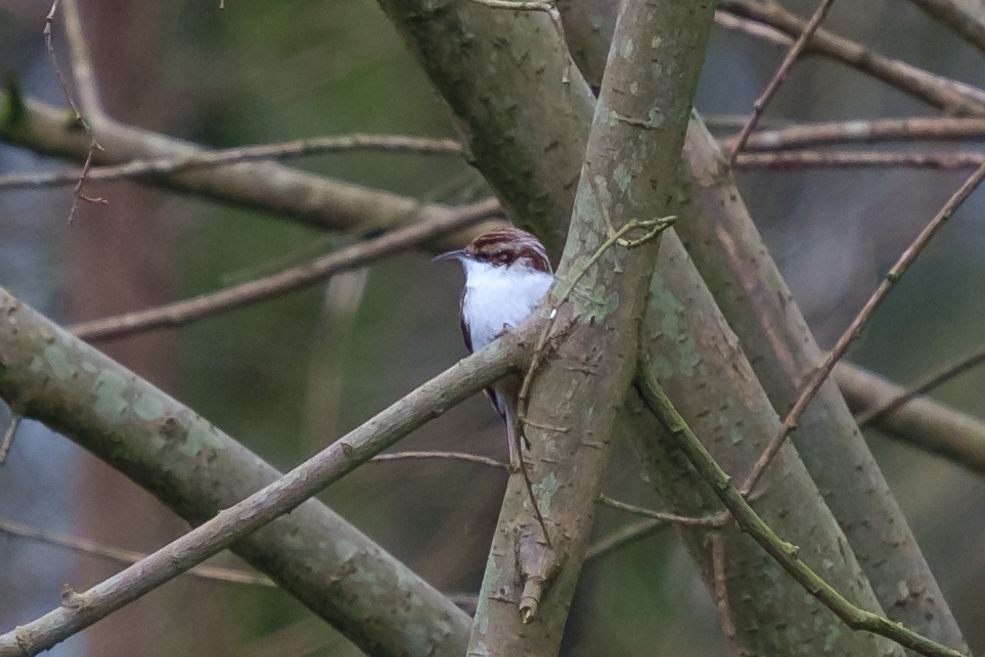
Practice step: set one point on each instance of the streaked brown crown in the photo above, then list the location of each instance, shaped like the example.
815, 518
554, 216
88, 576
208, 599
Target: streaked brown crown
506, 246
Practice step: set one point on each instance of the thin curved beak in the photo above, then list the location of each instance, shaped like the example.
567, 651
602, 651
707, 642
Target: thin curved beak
451, 255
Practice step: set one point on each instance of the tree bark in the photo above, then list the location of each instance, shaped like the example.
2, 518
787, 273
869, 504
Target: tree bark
629, 172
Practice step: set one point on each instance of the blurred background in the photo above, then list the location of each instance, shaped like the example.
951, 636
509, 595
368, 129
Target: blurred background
288, 377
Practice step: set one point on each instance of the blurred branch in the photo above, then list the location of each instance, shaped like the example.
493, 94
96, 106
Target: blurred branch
205, 159
921, 422
925, 384
48, 375
289, 280
80, 60
786, 554
721, 594
940, 92
119, 555
915, 128
716, 520
78, 48
955, 19
451, 456
622, 537
897, 271
747, 285
799, 160
8, 437
759, 106
267, 187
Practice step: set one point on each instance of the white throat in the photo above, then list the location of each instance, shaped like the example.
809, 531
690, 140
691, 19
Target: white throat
498, 296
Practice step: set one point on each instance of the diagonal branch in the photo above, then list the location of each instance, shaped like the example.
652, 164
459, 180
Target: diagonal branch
262, 152
937, 91
784, 553
120, 555
198, 471
293, 279
902, 265
778, 77
952, 16
267, 187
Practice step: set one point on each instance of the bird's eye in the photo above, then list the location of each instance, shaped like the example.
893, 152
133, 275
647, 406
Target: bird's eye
482, 256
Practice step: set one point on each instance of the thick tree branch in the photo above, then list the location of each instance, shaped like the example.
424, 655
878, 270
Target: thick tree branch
480, 59
786, 554
266, 187
191, 466
629, 172
747, 285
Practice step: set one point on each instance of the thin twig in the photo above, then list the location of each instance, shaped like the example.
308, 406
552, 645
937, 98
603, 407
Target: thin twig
799, 160
855, 328
452, 456
8, 438
119, 555
721, 594
714, 520
80, 119
807, 135
940, 92
781, 73
784, 553
623, 537
180, 313
273, 151
922, 422
925, 384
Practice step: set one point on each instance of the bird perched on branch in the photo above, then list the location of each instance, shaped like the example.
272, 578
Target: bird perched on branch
507, 274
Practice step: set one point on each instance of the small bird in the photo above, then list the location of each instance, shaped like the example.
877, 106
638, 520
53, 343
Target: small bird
507, 273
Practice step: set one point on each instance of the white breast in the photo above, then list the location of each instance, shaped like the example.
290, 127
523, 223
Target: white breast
499, 296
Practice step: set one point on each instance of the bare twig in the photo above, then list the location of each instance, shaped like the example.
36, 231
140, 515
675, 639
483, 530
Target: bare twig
296, 278
714, 520
84, 122
940, 92
622, 537
721, 594
426, 402
916, 128
8, 437
784, 553
273, 151
922, 422
119, 555
798, 160
781, 73
925, 384
854, 329
451, 456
